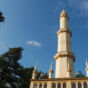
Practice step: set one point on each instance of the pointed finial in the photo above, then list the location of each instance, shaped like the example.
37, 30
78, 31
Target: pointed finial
63, 10
51, 71
51, 68
36, 67
64, 14
41, 73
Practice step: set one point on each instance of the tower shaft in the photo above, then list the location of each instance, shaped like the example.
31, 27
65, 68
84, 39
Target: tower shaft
64, 54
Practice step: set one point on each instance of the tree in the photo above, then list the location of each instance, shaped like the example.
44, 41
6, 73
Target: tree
42, 75
9, 66
12, 74
79, 75
2, 18
27, 75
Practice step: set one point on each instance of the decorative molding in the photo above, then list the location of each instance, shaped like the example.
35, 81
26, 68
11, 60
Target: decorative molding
64, 54
64, 30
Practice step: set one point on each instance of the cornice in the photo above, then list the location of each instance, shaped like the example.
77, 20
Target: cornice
61, 79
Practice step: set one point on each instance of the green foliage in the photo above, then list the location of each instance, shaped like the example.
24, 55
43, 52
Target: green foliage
2, 18
42, 75
12, 74
79, 75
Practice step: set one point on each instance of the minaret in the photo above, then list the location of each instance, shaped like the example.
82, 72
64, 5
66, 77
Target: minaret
86, 68
51, 71
34, 72
64, 54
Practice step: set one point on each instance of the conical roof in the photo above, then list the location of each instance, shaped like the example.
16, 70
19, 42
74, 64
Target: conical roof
64, 14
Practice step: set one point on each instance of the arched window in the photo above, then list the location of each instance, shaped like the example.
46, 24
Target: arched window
40, 85
85, 85
53, 85
45, 85
59, 85
73, 85
64, 85
35, 85
79, 85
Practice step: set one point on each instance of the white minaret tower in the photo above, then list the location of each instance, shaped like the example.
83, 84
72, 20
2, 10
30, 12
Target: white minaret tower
64, 56
34, 72
86, 68
51, 71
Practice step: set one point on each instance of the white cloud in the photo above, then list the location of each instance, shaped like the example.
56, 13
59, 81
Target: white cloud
75, 7
84, 5
81, 6
34, 43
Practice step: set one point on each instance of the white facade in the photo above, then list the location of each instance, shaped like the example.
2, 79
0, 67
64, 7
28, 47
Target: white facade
64, 55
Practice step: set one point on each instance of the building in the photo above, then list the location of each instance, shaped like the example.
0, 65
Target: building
64, 72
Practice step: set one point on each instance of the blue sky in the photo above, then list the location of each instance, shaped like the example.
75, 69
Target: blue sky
33, 24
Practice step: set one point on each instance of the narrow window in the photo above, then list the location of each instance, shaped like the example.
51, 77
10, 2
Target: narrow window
79, 85
64, 85
53, 85
45, 85
73, 85
40, 85
35, 85
59, 85
85, 85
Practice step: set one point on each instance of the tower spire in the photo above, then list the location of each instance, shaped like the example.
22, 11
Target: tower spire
64, 14
34, 74
64, 18
51, 67
51, 71
64, 57
36, 67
